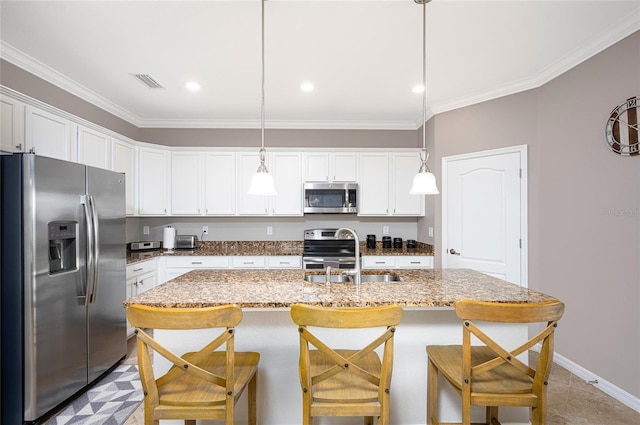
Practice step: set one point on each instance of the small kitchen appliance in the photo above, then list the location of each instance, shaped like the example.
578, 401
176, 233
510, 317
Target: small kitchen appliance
371, 241
186, 241
140, 246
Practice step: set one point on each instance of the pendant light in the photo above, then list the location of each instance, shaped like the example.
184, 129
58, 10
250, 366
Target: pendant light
424, 183
262, 181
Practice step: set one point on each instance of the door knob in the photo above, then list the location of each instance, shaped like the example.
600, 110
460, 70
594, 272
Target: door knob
453, 252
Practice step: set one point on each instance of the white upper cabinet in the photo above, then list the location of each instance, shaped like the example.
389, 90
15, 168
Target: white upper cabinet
123, 160
186, 183
373, 184
384, 184
153, 181
250, 204
220, 183
330, 166
49, 135
11, 125
287, 174
94, 148
403, 167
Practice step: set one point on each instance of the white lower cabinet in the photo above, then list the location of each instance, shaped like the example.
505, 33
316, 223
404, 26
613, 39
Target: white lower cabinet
177, 266
284, 262
397, 262
141, 277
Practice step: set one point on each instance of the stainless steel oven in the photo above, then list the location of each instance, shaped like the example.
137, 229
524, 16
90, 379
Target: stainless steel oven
322, 249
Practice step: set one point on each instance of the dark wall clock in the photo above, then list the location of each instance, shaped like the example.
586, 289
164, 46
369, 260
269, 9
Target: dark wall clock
622, 132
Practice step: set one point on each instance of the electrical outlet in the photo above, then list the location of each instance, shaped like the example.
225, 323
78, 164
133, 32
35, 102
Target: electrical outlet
430, 231
385, 230
269, 230
145, 230
205, 230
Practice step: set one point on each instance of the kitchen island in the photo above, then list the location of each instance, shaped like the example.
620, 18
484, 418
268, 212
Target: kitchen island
266, 295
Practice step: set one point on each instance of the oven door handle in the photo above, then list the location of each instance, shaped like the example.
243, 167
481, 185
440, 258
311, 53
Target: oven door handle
334, 259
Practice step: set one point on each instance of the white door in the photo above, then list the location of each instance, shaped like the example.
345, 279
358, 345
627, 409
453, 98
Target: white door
287, 176
123, 160
152, 181
220, 183
484, 213
48, 134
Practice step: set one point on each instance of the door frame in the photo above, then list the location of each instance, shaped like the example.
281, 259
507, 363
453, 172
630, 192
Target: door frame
524, 195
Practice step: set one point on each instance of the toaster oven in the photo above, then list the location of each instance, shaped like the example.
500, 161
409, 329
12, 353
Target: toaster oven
186, 241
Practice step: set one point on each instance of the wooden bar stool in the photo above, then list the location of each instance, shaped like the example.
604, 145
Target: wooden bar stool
202, 385
345, 382
488, 374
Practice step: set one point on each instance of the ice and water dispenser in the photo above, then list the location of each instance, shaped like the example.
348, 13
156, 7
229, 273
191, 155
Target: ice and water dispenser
62, 246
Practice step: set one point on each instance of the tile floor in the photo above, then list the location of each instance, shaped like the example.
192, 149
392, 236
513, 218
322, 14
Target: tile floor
571, 401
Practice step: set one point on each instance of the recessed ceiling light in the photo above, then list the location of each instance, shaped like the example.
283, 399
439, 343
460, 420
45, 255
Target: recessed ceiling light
418, 89
306, 86
192, 86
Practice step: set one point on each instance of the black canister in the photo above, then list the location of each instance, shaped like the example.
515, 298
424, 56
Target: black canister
411, 243
397, 243
386, 241
371, 241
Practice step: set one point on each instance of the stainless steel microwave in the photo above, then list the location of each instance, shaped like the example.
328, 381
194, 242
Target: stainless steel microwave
330, 198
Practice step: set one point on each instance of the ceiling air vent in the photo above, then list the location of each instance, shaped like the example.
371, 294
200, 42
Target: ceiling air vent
148, 81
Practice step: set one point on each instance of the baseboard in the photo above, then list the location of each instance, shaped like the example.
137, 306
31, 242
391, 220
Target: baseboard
598, 382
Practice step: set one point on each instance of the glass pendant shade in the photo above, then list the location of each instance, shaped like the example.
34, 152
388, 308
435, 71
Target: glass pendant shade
424, 183
262, 184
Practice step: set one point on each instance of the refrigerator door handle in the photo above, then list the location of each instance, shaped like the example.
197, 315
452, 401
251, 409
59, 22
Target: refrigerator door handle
90, 260
96, 250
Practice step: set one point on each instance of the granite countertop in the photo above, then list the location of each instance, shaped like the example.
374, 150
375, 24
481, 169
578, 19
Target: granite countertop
225, 248
438, 288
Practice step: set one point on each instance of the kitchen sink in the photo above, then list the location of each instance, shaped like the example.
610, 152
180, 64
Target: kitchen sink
338, 278
380, 278
320, 278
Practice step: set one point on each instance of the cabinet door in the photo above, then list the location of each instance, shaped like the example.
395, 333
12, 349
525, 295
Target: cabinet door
186, 183
404, 167
11, 125
343, 167
152, 181
250, 204
287, 175
94, 148
48, 134
123, 160
146, 282
373, 184
316, 166
220, 183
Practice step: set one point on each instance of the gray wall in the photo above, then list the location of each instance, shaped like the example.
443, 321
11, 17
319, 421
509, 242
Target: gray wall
280, 138
584, 203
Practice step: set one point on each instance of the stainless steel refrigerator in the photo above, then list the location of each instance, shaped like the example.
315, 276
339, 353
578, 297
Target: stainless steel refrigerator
63, 281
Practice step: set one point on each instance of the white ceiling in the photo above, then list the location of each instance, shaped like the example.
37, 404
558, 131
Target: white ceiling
363, 57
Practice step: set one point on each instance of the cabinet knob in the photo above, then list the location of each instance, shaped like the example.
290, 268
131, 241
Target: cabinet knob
19, 146
453, 252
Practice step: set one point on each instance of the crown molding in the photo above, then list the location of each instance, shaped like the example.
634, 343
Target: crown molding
625, 28
50, 75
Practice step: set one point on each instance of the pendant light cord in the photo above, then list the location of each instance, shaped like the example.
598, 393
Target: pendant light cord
424, 75
262, 82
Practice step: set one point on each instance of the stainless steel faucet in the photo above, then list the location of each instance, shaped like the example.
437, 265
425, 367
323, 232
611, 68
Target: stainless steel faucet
328, 275
340, 234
